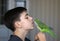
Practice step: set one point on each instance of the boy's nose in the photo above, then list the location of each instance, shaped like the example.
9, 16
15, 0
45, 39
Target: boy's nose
31, 18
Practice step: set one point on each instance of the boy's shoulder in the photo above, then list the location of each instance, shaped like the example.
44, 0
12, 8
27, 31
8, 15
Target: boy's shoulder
16, 38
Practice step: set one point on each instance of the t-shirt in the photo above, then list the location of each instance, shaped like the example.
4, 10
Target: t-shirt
16, 38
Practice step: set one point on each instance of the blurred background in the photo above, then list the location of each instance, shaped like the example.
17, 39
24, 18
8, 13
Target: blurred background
46, 10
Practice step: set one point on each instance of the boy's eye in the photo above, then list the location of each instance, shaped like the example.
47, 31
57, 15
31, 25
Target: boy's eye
26, 17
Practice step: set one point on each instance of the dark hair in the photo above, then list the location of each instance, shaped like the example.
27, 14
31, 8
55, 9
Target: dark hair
11, 16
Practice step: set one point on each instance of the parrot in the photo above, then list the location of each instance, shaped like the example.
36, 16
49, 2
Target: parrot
43, 27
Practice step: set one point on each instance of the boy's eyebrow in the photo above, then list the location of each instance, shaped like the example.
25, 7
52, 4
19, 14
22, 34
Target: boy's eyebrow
26, 14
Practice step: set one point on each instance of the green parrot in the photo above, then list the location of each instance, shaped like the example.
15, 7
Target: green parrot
44, 28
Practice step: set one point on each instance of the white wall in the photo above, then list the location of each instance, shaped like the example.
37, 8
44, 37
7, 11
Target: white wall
11, 4
48, 12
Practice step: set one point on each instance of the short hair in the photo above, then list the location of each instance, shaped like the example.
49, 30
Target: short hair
11, 16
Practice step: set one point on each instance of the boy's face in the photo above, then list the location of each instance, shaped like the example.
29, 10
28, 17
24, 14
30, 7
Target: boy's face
26, 21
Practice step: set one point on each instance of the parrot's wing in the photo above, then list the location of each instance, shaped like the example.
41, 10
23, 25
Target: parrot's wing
43, 27
51, 33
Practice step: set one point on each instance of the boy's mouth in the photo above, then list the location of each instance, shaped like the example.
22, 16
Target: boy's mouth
32, 22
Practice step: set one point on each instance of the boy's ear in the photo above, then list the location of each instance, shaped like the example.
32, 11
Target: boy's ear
17, 24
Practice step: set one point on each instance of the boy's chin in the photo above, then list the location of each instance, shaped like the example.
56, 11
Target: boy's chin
32, 27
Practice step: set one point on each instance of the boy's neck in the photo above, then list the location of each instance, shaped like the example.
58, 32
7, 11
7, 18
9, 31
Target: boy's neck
21, 33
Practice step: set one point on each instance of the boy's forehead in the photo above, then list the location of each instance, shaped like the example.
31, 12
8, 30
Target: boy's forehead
24, 14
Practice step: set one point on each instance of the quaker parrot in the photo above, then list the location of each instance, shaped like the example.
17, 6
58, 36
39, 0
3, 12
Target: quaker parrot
44, 28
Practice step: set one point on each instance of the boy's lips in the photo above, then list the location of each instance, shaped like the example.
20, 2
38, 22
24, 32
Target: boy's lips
32, 22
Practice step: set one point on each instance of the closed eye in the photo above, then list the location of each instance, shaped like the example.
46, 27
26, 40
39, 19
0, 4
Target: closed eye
26, 18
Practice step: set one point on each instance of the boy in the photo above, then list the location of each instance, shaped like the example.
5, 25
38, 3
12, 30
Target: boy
20, 23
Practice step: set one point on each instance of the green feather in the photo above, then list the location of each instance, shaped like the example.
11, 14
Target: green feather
44, 28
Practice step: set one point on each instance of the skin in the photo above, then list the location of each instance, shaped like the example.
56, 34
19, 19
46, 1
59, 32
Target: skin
23, 26
40, 36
